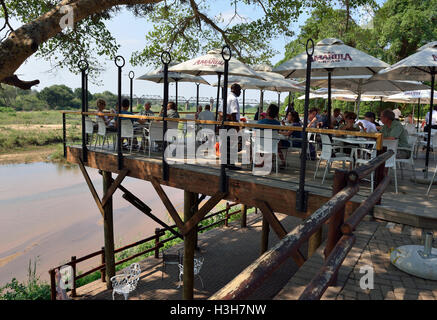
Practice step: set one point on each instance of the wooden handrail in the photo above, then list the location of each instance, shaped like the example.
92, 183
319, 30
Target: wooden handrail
376, 136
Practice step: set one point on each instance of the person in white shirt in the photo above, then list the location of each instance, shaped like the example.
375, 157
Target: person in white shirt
206, 114
368, 124
397, 113
233, 108
433, 119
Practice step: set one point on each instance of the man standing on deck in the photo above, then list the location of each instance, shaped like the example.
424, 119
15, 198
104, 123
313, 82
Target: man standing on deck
233, 110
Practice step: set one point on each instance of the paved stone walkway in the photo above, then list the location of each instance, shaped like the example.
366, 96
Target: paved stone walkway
374, 240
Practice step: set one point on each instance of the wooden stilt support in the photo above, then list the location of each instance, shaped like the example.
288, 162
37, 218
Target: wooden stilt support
265, 235
314, 242
243, 216
189, 246
108, 227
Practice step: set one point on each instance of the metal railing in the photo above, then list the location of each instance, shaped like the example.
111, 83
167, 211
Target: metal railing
155, 239
340, 235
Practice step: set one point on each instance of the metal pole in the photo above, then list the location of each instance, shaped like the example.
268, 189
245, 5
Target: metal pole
83, 66
64, 135
226, 54
431, 105
418, 114
86, 90
218, 95
119, 146
176, 81
329, 97
197, 96
244, 102
131, 77
165, 59
279, 99
301, 199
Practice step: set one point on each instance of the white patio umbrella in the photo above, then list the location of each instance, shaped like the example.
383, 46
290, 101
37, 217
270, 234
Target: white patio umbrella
422, 66
157, 76
332, 58
364, 85
213, 64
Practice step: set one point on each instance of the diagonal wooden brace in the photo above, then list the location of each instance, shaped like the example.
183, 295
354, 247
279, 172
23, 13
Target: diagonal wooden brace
114, 186
278, 228
170, 208
91, 187
199, 215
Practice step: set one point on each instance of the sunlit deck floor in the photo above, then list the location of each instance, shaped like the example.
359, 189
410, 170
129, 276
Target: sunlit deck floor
227, 251
409, 206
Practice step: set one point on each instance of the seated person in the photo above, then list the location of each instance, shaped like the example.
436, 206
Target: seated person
337, 118
393, 130
350, 124
172, 110
271, 115
101, 105
293, 120
368, 124
196, 116
206, 114
146, 112
313, 121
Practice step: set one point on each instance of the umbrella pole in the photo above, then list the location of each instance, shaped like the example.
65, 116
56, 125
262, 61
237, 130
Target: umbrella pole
197, 96
428, 142
418, 114
176, 94
329, 98
218, 95
279, 99
261, 103
289, 103
244, 102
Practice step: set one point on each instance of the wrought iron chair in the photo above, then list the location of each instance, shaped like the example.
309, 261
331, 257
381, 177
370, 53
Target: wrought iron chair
198, 262
126, 282
171, 258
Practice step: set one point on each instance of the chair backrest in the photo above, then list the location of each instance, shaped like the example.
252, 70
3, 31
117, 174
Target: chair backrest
101, 131
411, 128
267, 143
326, 147
434, 137
89, 126
391, 145
155, 129
127, 128
412, 140
198, 262
133, 275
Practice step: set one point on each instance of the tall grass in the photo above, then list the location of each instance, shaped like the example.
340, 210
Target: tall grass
32, 289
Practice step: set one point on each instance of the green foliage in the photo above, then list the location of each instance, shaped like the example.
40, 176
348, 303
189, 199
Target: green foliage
32, 289
57, 96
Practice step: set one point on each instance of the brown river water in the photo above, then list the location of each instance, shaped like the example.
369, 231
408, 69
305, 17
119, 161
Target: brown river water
47, 214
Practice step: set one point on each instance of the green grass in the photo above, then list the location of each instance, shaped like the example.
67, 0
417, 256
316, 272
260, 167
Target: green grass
9, 116
32, 289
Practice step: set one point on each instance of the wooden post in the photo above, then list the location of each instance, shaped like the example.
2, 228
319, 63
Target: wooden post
52, 273
157, 233
103, 270
380, 172
243, 216
108, 229
314, 242
196, 232
227, 215
189, 246
265, 235
73, 288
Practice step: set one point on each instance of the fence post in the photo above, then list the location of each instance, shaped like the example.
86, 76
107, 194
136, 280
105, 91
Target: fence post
103, 270
52, 284
73, 265
337, 219
227, 214
380, 172
243, 216
157, 234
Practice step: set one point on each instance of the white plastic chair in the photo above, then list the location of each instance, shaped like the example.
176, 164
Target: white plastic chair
432, 181
433, 143
155, 131
103, 133
391, 162
363, 156
126, 282
327, 149
412, 142
265, 145
198, 262
89, 128
127, 131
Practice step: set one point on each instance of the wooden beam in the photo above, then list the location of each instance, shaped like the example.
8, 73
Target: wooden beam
137, 203
114, 185
170, 208
207, 207
91, 187
280, 231
108, 230
271, 218
264, 235
189, 247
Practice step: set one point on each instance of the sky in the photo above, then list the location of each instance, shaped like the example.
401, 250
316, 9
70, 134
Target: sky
130, 32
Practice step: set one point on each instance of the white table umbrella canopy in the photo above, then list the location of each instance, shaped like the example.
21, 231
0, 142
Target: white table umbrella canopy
157, 76
416, 96
212, 64
418, 66
332, 54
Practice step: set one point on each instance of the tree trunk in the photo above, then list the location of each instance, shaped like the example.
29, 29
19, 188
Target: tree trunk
25, 41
